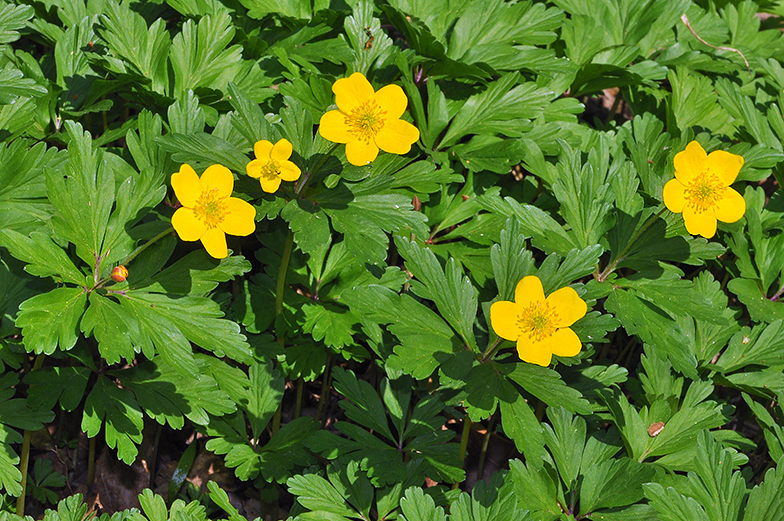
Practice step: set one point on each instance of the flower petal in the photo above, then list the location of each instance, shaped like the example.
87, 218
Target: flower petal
240, 217
361, 152
565, 342
529, 290
725, 165
352, 91
289, 171
254, 168
533, 352
218, 177
187, 225
569, 306
333, 127
282, 150
690, 162
214, 241
187, 186
674, 195
261, 149
503, 319
700, 223
397, 136
392, 99
731, 207
270, 184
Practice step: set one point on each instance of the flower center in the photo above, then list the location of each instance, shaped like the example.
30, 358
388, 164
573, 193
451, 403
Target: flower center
539, 321
366, 120
704, 192
210, 208
270, 170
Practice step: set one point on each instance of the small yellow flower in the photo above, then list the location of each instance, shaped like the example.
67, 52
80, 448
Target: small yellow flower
208, 212
271, 165
539, 325
701, 189
367, 120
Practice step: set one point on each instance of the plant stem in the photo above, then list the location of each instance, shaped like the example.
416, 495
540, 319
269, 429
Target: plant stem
91, 463
147, 244
298, 403
314, 171
24, 458
463, 444
601, 277
284, 267
485, 442
490, 351
325, 378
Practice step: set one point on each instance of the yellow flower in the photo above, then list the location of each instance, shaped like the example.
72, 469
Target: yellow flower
367, 120
701, 189
208, 213
271, 165
539, 325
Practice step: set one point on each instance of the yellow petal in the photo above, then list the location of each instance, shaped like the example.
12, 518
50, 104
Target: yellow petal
214, 241
220, 178
187, 186
255, 167
564, 342
503, 319
361, 152
289, 171
333, 127
674, 196
731, 207
397, 136
187, 226
703, 223
533, 352
352, 91
262, 150
282, 150
690, 163
569, 306
392, 99
528, 291
270, 184
240, 217
725, 165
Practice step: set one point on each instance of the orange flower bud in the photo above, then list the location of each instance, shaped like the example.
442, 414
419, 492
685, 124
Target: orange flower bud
119, 273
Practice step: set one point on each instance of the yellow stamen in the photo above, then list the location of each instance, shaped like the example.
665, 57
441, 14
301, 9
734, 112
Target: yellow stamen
704, 192
366, 120
538, 321
210, 208
270, 170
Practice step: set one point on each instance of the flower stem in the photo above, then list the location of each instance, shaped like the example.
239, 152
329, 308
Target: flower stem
24, 460
601, 277
284, 267
463, 444
490, 351
147, 244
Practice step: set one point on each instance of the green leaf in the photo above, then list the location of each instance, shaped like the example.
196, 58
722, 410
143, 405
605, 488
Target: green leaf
547, 385
613, 483
520, 424
362, 403
454, 295
195, 274
503, 107
13, 17
166, 394
201, 56
765, 500
365, 220
44, 258
539, 488
202, 150
512, 260
264, 396
416, 505
309, 224
759, 346
112, 327
51, 320
50, 384
318, 495
118, 410
425, 339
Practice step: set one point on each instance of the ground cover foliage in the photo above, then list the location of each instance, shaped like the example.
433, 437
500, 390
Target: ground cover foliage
335, 357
